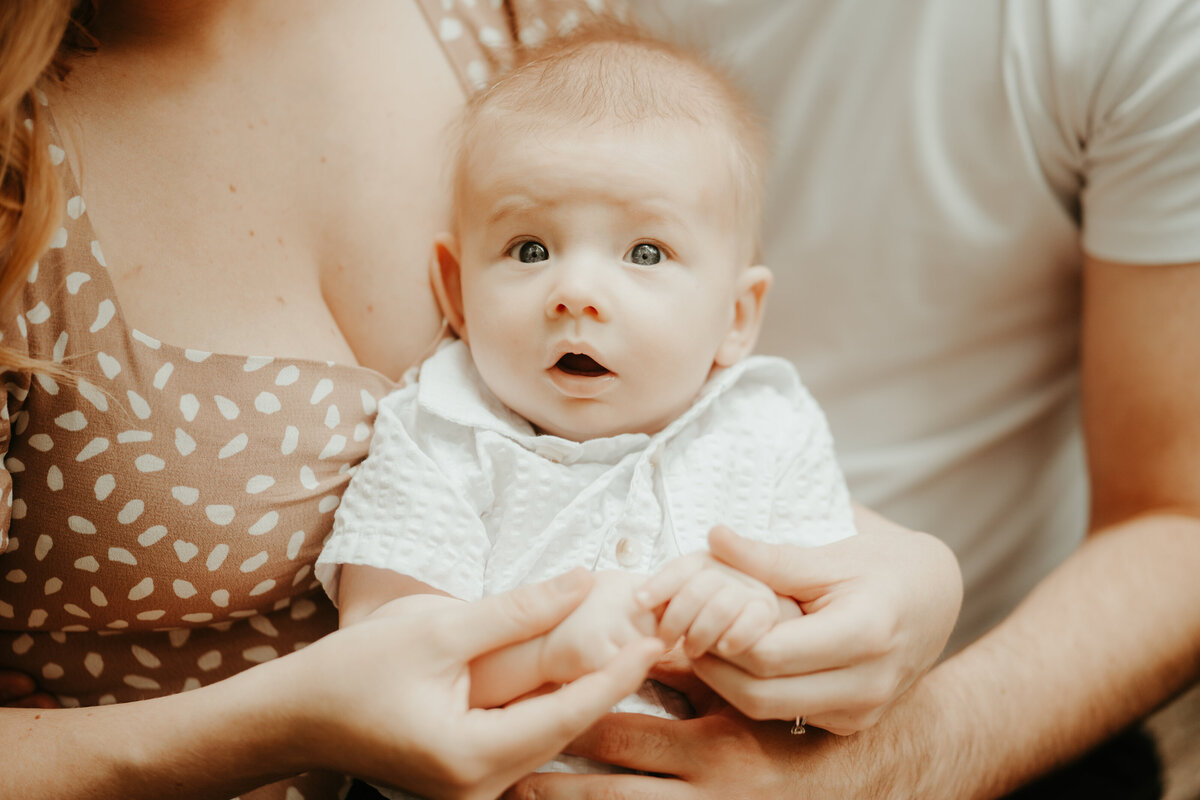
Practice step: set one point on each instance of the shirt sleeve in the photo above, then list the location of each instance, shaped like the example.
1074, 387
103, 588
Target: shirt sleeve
406, 511
1141, 152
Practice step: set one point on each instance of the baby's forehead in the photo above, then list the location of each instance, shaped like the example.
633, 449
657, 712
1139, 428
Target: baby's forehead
537, 155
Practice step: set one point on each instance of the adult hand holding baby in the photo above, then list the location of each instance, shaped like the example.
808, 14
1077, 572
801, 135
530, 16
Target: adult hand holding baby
864, 636
861, 642
421, 731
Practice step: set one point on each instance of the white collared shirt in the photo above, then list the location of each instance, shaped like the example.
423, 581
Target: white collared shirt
463, 494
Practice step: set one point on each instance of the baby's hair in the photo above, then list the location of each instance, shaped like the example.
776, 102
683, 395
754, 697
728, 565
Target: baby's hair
607, 71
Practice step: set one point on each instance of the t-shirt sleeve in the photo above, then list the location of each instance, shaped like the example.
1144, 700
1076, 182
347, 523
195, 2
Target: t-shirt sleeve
407, 511
1141, 161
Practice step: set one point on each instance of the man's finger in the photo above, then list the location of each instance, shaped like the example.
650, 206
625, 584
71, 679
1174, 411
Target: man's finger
561, 786
636, 741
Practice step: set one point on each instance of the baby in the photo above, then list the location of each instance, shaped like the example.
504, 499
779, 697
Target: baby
598, 407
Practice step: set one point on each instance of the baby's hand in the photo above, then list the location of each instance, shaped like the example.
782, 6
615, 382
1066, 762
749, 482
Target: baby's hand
606, 621
713, 606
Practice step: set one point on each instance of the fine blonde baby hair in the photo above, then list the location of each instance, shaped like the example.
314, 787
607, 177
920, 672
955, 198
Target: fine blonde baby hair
612, 72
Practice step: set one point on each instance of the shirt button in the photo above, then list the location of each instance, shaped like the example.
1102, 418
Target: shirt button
550, 452
628, 552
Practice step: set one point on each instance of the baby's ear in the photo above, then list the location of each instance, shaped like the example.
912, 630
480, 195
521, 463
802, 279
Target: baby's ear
750, 298
445, 275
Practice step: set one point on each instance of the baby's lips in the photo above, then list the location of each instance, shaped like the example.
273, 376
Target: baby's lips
581, 364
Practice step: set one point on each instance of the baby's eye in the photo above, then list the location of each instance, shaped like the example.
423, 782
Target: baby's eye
529, 252
645, 255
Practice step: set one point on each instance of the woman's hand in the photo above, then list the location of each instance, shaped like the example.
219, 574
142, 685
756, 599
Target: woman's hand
17, 690
387, 697
878, 609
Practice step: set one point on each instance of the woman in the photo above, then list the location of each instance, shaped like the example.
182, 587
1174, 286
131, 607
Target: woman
261, 179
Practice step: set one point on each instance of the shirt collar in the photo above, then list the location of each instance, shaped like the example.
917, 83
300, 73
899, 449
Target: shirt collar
451, 388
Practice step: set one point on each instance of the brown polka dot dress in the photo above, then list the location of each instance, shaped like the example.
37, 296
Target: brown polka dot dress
163, 508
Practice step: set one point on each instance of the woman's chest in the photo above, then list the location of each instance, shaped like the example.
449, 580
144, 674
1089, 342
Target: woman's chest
289, 194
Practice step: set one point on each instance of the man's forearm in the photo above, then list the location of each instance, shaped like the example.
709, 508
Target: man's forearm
1108, 636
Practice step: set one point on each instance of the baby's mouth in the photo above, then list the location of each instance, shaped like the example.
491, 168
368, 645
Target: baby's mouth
581, 365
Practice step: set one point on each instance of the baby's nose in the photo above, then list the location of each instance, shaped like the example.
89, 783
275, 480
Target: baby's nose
576, 293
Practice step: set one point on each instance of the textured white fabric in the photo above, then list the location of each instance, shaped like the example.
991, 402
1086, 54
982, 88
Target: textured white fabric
938, 168
461, 493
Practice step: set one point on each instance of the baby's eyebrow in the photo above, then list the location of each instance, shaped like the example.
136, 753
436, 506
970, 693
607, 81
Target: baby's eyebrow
516, 204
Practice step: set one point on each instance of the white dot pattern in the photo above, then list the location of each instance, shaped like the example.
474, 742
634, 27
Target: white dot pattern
171, 501
185, 518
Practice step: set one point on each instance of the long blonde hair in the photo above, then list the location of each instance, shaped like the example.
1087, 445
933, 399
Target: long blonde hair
36, 38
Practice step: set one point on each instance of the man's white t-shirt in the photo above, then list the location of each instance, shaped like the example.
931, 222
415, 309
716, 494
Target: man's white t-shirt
938, 169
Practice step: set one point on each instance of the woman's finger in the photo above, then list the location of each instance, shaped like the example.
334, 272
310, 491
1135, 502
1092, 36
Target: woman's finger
835, 637
804, 573
518, 615
548, 721
846, 693
636, 742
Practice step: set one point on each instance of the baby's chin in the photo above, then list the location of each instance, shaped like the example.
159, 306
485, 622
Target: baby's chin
596, 425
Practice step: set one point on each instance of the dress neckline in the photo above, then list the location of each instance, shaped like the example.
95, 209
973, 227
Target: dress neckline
76, 212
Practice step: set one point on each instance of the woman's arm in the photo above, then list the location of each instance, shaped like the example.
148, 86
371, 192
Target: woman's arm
385, 699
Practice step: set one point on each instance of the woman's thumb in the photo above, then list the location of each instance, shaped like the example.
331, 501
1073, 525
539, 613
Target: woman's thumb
790, 570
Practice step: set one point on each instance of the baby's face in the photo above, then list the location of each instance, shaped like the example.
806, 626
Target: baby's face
601, 268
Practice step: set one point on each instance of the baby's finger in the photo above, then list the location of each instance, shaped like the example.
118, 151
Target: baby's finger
686, 605
750, 626
661, 587
713, 620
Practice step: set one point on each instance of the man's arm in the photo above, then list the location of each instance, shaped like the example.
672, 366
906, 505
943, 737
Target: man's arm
1115, 631
1105, 638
